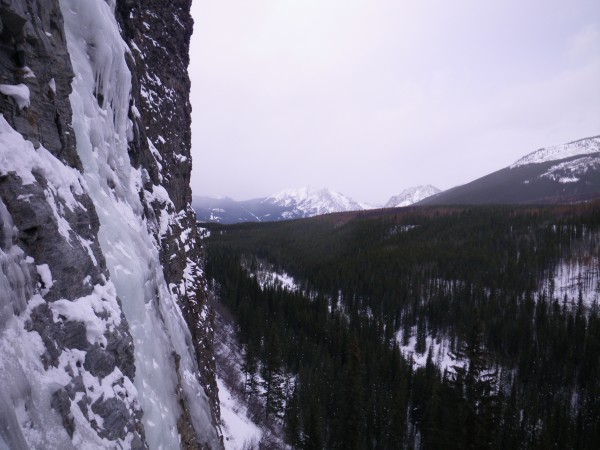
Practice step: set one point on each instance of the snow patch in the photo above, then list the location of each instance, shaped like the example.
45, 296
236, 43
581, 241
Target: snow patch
46, 276
239, 432
52, 85
28, 73
439, 347
19, 92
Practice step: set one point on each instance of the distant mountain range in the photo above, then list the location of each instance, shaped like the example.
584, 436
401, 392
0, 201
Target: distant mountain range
293, 204
288, 204
561, 174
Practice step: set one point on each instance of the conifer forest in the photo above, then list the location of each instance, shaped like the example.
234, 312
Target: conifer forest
421, 327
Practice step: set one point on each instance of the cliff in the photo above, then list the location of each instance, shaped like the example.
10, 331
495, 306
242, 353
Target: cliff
105, 333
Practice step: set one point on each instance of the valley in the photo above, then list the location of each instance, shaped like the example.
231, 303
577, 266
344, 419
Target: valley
404, 326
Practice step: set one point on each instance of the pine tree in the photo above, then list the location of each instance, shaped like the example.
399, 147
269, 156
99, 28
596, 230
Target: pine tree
313, 435
477, 384
292, 419
272, 377
353, 408
249, 369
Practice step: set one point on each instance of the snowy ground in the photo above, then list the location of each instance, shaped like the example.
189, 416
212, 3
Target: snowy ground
440, 350
267, 276
239, 432
571, 278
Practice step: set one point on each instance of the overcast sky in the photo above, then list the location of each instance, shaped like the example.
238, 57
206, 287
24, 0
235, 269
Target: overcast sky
369, 97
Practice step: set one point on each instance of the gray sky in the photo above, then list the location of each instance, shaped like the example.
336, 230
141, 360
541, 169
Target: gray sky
369, 97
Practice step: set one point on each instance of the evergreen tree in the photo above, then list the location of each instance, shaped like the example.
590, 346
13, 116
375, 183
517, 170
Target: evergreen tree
250, 368
272, 379
478, 386
293, 419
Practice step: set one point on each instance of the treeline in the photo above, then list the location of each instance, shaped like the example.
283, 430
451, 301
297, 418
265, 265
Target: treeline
331, 369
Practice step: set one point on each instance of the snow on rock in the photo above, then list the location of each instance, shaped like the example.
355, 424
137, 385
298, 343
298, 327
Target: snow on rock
128, 239
19, 156
571, 171
19, 92
411, 195
46, 276
308, 202
581, 147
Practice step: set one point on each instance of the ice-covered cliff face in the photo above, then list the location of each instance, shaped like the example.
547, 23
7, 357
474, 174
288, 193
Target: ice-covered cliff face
105, 335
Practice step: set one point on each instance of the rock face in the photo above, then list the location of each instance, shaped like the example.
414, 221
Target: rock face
105, 333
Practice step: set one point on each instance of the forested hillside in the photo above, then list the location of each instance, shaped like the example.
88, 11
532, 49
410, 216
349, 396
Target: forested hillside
424, 327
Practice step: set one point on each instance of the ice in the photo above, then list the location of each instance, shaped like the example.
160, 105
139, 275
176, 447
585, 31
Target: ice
130, 248
19, 92
15, 280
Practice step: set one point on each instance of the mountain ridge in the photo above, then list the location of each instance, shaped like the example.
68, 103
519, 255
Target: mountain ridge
290, 204
412, 195
563, 173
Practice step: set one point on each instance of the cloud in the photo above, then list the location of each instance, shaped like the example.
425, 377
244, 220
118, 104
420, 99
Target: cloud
585, 44
371, 97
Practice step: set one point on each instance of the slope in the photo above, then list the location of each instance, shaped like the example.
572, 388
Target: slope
562, 174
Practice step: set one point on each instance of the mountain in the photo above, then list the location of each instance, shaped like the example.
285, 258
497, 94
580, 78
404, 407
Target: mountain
411, 196
561, 174
308, 202
285, 205
105, 328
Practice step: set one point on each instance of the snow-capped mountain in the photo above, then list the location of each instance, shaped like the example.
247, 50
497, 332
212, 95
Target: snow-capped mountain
559, 174
411, 196
578, 148
308, 202
570, 161
284, 205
